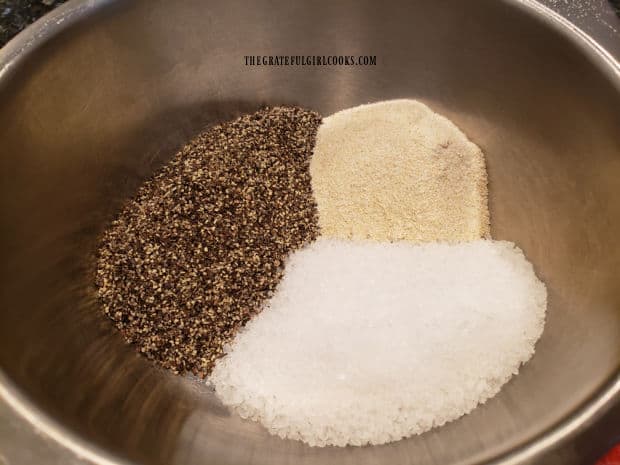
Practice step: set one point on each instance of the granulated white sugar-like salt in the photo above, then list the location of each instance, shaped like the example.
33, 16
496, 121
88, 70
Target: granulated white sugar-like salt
395, 170
367, 343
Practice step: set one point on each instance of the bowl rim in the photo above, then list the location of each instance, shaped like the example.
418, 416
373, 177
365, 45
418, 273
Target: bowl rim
75, 11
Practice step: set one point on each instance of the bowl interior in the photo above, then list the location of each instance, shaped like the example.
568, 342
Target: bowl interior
88, 114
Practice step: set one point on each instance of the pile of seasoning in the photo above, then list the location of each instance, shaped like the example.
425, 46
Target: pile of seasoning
369, 342
396, 170
195, 254
350, 336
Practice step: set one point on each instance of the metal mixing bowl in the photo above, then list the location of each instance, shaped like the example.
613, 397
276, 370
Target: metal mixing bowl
99, 94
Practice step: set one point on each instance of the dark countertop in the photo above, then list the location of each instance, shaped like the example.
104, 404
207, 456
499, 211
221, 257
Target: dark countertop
15, 15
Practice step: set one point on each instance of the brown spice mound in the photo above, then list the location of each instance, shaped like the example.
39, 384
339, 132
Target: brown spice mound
200, 248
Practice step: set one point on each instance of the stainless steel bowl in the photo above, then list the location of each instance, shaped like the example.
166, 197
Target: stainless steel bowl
100, 93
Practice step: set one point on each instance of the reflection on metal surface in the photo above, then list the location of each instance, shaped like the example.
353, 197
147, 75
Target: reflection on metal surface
587, 40
44, 432
101, 93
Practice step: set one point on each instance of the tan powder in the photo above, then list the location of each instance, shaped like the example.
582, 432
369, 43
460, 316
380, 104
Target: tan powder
395, 170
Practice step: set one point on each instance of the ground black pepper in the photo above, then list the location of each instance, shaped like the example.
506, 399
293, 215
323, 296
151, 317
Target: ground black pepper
201, 246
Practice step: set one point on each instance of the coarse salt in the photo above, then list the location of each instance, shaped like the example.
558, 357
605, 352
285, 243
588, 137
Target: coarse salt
367, 343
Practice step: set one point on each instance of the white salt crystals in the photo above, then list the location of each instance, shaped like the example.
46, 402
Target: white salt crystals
368, 342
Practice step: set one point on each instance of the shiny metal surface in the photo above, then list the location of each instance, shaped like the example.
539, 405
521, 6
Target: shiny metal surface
597, 18
101, 93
